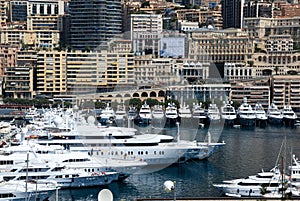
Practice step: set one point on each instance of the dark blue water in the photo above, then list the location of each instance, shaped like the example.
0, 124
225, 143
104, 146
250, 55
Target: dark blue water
246, 152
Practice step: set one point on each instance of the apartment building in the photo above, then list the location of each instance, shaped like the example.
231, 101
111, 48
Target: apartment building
20, 80
212, 17
151, 71
93, 23
276, 57
19, 10
7, 57
256, 92
218, 47
286, 91
45, 7
229, 45
144, 23
101, 71
33, 38
263, 27
51, 72
232, 13
204, 16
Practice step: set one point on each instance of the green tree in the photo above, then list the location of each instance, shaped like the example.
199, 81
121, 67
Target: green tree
236, 104
151, 102
136, 102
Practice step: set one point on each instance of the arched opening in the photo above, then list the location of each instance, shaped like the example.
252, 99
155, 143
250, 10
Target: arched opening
136, 95
152, 94
118, 96
144, 94
161, 93
127, 95
292, 72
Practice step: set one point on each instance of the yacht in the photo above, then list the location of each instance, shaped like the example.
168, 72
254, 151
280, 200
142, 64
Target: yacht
274, 115
47, 171
26, 190
13, 156
246, 115
213, 113
171, 111
288, 116
184, 112
124, 143
157, 112
294, 170
198, 111
132, 113
261, 116
120, 113
228, 113
255, 185
31, 114
107, 115
145, 114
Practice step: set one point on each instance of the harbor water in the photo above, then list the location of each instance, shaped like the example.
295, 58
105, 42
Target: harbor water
247, 152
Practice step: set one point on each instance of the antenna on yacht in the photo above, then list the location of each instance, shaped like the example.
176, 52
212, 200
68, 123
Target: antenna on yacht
208, 137
178, 132
26, 187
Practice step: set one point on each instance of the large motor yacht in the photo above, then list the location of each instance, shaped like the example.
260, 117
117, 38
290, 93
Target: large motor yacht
228, 114
288, 116
246, 115
274, 115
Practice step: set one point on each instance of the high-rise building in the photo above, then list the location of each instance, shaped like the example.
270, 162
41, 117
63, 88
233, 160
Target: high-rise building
94, 22
232, 13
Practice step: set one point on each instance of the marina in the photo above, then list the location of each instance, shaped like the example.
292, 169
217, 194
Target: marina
251, 149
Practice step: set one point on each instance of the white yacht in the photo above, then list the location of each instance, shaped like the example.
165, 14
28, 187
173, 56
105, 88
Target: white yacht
171, 111
13, 156
132, 113
184, 112
254, 186
157, 112
261, 115
274, 115
288, 116
30, 190
145, 114
213, 113
198, 111
31, 114
228, 113
107, 115
124, 143
120, 113
294, 170
246, 115
65, 177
